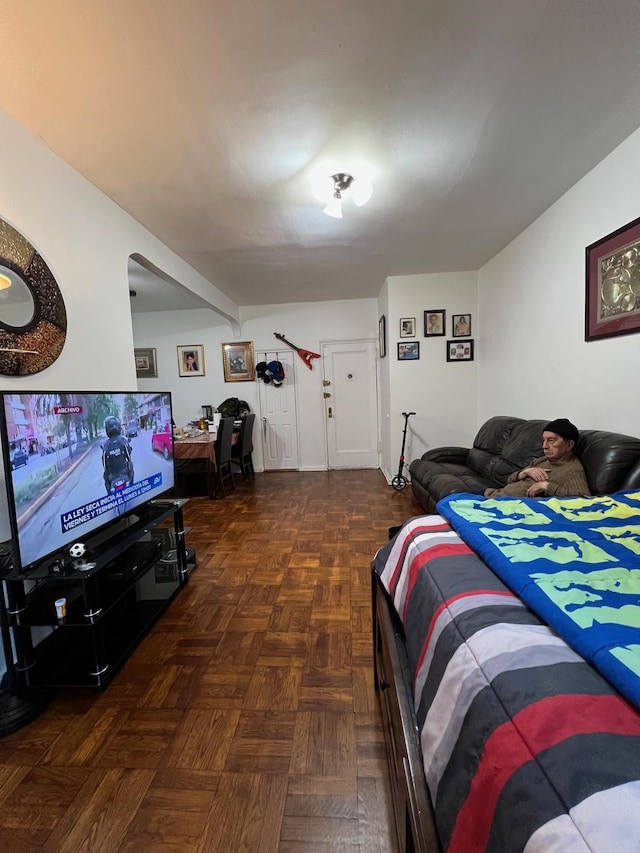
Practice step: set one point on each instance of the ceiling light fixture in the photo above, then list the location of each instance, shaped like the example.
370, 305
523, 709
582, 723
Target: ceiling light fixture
343, 182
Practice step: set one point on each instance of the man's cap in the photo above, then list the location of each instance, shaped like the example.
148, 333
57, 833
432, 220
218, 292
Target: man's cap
564, 428
261, 369
275, 371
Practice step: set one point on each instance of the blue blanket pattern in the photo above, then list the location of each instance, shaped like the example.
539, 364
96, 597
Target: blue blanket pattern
574, 561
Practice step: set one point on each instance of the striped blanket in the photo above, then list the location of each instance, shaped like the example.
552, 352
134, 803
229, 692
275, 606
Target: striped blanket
526, 747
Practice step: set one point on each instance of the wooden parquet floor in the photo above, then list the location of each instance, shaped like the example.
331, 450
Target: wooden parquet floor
246, 720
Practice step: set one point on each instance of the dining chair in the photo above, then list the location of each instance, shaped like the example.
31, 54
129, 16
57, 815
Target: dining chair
241, 452
224, 438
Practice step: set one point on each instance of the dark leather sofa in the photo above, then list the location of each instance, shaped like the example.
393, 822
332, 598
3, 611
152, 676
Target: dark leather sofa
505, 444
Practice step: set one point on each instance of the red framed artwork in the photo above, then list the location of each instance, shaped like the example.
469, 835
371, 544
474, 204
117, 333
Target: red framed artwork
612, 302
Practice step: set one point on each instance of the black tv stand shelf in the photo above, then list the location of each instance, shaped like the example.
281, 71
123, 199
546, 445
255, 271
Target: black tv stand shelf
134, 574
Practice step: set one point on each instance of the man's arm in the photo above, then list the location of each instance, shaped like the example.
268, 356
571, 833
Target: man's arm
575, 483
538, 475
538, 489
566, 481
533, 471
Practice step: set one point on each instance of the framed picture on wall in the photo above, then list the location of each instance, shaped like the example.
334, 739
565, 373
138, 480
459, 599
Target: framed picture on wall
612, 301
408, 327
461, 325
382, 336
459, 350
191, 360
146, 365
238, 361
434, 323
409, 352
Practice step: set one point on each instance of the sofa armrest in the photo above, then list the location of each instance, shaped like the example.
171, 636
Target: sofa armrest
455, 455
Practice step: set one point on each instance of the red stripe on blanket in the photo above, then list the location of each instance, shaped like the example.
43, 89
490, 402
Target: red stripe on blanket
537, 727
425, 528
445, 605
432, 553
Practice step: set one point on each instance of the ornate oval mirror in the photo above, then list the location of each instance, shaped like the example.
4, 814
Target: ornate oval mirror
33, 318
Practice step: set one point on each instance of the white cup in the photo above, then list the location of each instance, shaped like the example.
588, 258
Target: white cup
61, 608
217, 416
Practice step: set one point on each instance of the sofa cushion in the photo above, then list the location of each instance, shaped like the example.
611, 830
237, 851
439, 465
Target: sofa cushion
523, 445
608, 458
632, 477
448, 483
488, 444
441, 477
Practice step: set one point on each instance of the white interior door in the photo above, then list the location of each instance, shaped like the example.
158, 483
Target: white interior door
351, 404
278, 424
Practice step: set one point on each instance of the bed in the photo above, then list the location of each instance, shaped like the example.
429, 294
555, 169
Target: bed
501, 735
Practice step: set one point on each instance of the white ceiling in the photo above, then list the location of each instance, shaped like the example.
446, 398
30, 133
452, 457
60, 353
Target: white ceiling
149, 293
204, 119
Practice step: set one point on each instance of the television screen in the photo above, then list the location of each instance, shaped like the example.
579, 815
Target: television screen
81, 460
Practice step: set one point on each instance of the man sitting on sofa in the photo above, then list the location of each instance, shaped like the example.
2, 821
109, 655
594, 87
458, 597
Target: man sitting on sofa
558, 472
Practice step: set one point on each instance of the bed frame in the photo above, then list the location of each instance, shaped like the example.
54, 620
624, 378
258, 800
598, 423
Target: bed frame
415, 826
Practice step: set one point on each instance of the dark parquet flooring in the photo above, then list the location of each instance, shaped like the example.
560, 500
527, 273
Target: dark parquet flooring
246, 720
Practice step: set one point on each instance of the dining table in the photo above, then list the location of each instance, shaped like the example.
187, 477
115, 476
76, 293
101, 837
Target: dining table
203, 447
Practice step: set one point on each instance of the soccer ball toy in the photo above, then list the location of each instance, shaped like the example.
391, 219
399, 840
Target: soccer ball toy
77, 550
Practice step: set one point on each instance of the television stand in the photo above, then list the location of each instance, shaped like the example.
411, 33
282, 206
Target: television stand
136, 558
20, 709
109, 607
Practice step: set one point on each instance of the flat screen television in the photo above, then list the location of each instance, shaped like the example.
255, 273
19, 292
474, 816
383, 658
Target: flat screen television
66, 478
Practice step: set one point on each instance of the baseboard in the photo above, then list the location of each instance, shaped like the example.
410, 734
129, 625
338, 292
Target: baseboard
309, 468
388, 477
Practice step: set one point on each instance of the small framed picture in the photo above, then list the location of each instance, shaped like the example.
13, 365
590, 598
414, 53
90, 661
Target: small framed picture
434, 323
409, 352
191, 360
382, 336
408, 327
238, 361
461, 325
459, 350
146, 365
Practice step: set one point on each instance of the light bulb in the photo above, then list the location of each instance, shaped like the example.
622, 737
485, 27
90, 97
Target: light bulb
322, 186
5, 281
334, 207
361, 190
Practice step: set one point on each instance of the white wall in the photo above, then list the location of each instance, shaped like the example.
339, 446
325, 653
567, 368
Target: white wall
86, 240
305, 324
384, 388
165, 331
443, 394
535, 361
